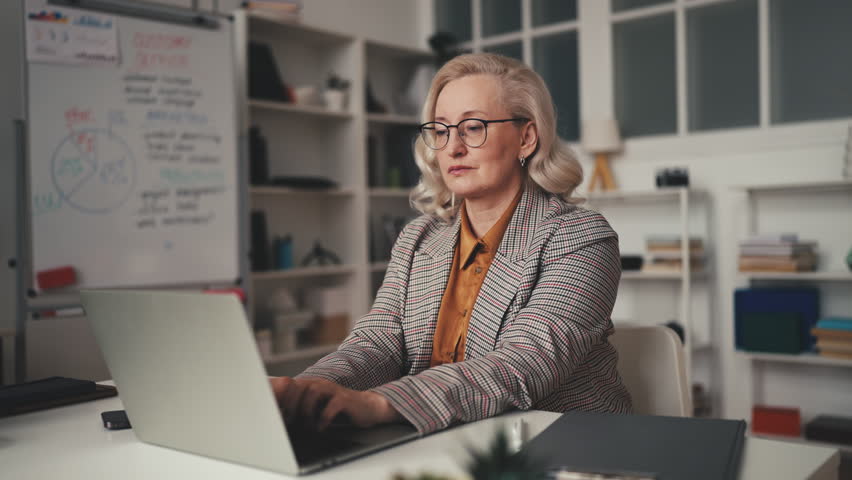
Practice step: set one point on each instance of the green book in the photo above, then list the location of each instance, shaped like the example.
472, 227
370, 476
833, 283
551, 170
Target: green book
772, 332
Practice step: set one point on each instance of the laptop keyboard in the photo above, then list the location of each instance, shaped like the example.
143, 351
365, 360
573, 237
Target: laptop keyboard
311, 446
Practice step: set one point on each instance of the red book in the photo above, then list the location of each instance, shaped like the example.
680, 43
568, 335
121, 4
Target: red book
56, 277
776, 420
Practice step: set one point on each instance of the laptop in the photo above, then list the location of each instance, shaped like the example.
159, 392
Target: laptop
190, 376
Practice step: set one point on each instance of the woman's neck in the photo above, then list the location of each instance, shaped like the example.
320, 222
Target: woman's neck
483, 213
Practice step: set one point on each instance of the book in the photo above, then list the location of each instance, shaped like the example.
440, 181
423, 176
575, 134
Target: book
777, 264
671, 241
660, 447
781, 249
835, 324
831, 334
771, 239
840, 355
837, 346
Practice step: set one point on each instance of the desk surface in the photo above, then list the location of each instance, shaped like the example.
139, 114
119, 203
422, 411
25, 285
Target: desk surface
70, 442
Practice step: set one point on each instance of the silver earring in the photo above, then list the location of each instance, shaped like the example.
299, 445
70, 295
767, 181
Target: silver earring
523, 161
452, 201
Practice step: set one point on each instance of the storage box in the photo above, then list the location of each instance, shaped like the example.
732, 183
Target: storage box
771, 332
776, 420
832, 429
801, 301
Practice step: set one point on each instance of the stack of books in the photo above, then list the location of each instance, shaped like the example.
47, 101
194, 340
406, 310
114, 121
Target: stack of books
280, 10
665, 255
834, 337
777, 253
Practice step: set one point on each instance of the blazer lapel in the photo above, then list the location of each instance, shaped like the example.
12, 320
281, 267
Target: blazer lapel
430, 272
506, 275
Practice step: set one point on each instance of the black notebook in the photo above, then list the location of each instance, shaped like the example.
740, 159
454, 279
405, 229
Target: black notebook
663, 448
48, 393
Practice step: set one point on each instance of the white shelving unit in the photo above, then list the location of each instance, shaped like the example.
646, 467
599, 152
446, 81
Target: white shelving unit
313, 141
791, 208
684, 201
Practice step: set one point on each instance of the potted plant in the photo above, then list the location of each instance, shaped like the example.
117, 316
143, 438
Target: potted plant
336, 92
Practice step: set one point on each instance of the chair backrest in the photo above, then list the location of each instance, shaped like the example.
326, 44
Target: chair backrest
651, 364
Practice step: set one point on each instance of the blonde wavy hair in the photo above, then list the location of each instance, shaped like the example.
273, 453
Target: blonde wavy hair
552, 166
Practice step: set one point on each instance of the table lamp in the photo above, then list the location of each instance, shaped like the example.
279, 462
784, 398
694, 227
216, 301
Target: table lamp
601, 137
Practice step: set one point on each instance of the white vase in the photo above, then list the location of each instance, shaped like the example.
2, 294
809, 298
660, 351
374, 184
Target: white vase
335, 100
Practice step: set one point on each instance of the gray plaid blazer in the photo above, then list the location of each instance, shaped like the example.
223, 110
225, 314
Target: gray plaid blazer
537, 336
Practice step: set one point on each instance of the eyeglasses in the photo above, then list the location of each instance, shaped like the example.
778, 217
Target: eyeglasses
472, 131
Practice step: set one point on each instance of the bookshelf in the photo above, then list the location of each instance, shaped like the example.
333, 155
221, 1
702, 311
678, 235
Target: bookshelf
314, 141
683, 212
801, 380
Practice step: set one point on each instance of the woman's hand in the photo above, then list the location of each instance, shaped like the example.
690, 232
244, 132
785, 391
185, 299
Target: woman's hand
317, 398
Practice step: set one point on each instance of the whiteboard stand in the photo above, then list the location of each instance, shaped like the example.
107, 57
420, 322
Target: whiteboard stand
22, 261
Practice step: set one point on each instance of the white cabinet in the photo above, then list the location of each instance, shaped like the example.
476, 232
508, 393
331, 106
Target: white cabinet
814, 384
311, 140
655, 297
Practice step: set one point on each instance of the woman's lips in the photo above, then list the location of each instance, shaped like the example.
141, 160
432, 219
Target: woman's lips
458, 169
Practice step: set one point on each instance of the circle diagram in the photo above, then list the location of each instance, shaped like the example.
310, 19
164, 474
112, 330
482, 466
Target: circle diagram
93, 170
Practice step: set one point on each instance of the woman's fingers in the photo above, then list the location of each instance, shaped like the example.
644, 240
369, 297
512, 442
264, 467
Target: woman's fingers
292, 398
336, 405
316, 393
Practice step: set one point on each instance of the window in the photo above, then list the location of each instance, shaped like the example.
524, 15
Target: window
644, 69
810, 66
541, 33
722, 66
546, 12
555, 59
453, 16
500, 16
704, 72
621, 5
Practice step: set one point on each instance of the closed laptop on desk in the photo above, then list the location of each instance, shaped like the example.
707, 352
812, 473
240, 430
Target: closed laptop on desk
668, 448
190, 377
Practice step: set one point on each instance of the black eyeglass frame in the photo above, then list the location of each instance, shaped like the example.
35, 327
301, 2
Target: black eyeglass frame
484, 122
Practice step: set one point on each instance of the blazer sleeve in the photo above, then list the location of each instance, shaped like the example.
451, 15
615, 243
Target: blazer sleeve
566, 316
374, 352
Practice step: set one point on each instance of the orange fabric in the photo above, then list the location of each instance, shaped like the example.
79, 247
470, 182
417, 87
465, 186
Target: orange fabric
471, 260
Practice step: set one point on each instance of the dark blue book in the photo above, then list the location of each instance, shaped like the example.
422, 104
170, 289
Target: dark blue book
802, 301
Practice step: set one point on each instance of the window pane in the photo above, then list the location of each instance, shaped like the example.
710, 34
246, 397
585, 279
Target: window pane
555, 59
514, 50
722, 66
500, 16
811, 71
645, 92
619, 5
546, 12
453, 16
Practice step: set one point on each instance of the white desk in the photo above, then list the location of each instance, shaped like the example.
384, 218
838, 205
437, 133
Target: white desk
70, 442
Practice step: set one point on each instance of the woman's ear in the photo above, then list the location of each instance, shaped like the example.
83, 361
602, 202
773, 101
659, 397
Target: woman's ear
529, 139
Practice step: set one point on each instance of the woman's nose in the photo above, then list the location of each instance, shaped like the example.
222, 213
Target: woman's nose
455, 145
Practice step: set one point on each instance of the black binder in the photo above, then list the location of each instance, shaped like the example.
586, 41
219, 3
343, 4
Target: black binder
666, 448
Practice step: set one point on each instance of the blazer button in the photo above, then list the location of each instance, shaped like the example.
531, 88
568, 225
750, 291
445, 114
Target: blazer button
478, 269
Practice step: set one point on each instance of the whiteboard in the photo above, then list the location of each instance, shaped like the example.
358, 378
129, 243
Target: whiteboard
133, 165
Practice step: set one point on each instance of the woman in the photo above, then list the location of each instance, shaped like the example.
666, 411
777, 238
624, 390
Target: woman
499, 296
